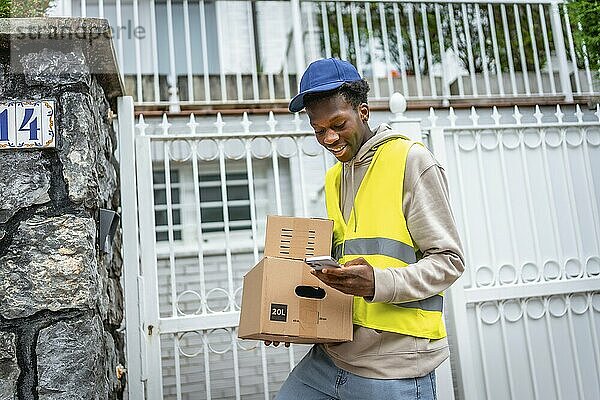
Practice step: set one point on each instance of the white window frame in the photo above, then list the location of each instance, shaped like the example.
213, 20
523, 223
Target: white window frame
214, 242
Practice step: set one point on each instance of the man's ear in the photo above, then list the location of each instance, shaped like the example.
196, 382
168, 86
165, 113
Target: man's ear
363, 112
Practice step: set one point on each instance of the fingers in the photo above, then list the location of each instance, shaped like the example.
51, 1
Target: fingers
355, 278
343, 271
275, 344
330, 271
357, 261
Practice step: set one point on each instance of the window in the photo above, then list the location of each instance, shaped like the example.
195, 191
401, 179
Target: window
184, 203
238, 202
161, 207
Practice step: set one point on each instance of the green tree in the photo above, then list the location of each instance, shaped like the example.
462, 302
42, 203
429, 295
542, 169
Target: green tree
585, 18
460, 27
23, 8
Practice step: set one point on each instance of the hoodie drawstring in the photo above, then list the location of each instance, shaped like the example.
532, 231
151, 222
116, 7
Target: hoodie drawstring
352, 193
353, 196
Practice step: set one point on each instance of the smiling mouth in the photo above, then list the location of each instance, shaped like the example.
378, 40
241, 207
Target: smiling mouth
337, 150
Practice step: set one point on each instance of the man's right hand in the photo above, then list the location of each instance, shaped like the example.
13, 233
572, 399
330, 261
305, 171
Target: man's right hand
268, 343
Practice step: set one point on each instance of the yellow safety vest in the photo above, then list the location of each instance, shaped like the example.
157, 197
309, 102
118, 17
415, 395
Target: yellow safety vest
379, 234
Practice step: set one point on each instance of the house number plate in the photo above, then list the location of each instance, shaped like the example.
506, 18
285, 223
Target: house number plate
27, 124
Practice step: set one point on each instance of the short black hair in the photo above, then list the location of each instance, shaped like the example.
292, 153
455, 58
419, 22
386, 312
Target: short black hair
355, 93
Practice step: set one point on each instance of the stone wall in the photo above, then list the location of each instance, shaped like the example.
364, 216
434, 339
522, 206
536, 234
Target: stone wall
61, 302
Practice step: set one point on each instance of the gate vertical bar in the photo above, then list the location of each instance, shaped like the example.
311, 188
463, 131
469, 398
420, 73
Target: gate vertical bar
400, 40
458, 305
325, 25
547, 48
453, 24
120, 54
253, 220
572, 53
131, 254
150, 325
341, 34
188, 51
154, 36
206, 76
428, 53
509, 55
356, 39
467, 28
414, 51
297, 37
371, 41
484, 58
495, 48
521, 47
536, 61
561, 52
138, 55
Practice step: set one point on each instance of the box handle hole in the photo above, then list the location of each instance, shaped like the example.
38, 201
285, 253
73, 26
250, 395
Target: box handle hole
311, 292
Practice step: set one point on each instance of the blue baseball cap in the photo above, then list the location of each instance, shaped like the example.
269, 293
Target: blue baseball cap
321, 76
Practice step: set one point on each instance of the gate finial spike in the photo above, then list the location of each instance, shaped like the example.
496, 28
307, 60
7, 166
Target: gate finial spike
496, 116
165, 124
272, 122
246, 122
297, 122
142, 125
192, 124
578, 113
538, 115
474, 117
559, 114
219, 124
432, 117
517, 115
452, 117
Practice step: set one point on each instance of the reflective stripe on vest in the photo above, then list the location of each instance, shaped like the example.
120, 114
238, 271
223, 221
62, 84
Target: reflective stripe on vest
377, 231
387, 247
433, 303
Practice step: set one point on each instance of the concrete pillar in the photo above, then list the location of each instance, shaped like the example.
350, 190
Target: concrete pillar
61, 300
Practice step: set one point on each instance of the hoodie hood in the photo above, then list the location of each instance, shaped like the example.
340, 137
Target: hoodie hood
381, 134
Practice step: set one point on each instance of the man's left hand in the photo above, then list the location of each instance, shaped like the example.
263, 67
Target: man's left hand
355, 277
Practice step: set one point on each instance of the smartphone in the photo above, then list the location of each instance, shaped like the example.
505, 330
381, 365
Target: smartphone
320, 262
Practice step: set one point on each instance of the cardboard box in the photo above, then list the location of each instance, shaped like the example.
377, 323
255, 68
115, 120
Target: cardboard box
282, 301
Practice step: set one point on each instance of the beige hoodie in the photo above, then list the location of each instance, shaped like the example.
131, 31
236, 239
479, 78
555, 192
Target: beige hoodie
426, 207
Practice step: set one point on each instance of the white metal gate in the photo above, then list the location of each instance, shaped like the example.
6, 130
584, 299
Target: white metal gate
523, 321
526, 314
202, 200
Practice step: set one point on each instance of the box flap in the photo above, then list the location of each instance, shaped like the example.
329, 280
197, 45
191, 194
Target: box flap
251, 301
298, 238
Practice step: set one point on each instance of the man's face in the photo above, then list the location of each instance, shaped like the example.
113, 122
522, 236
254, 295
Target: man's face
338, 126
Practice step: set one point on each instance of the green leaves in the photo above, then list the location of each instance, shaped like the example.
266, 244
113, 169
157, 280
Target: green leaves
23, 8
585, 18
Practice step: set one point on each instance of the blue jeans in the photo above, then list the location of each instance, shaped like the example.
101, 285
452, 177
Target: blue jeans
317, 378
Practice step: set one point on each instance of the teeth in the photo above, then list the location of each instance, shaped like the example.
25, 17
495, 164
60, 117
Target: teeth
337, 149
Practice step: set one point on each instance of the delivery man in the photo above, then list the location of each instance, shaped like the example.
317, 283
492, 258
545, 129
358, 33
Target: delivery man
396, 238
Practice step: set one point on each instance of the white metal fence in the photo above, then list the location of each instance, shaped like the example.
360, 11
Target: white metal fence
526, 315
193, 52
526, 196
